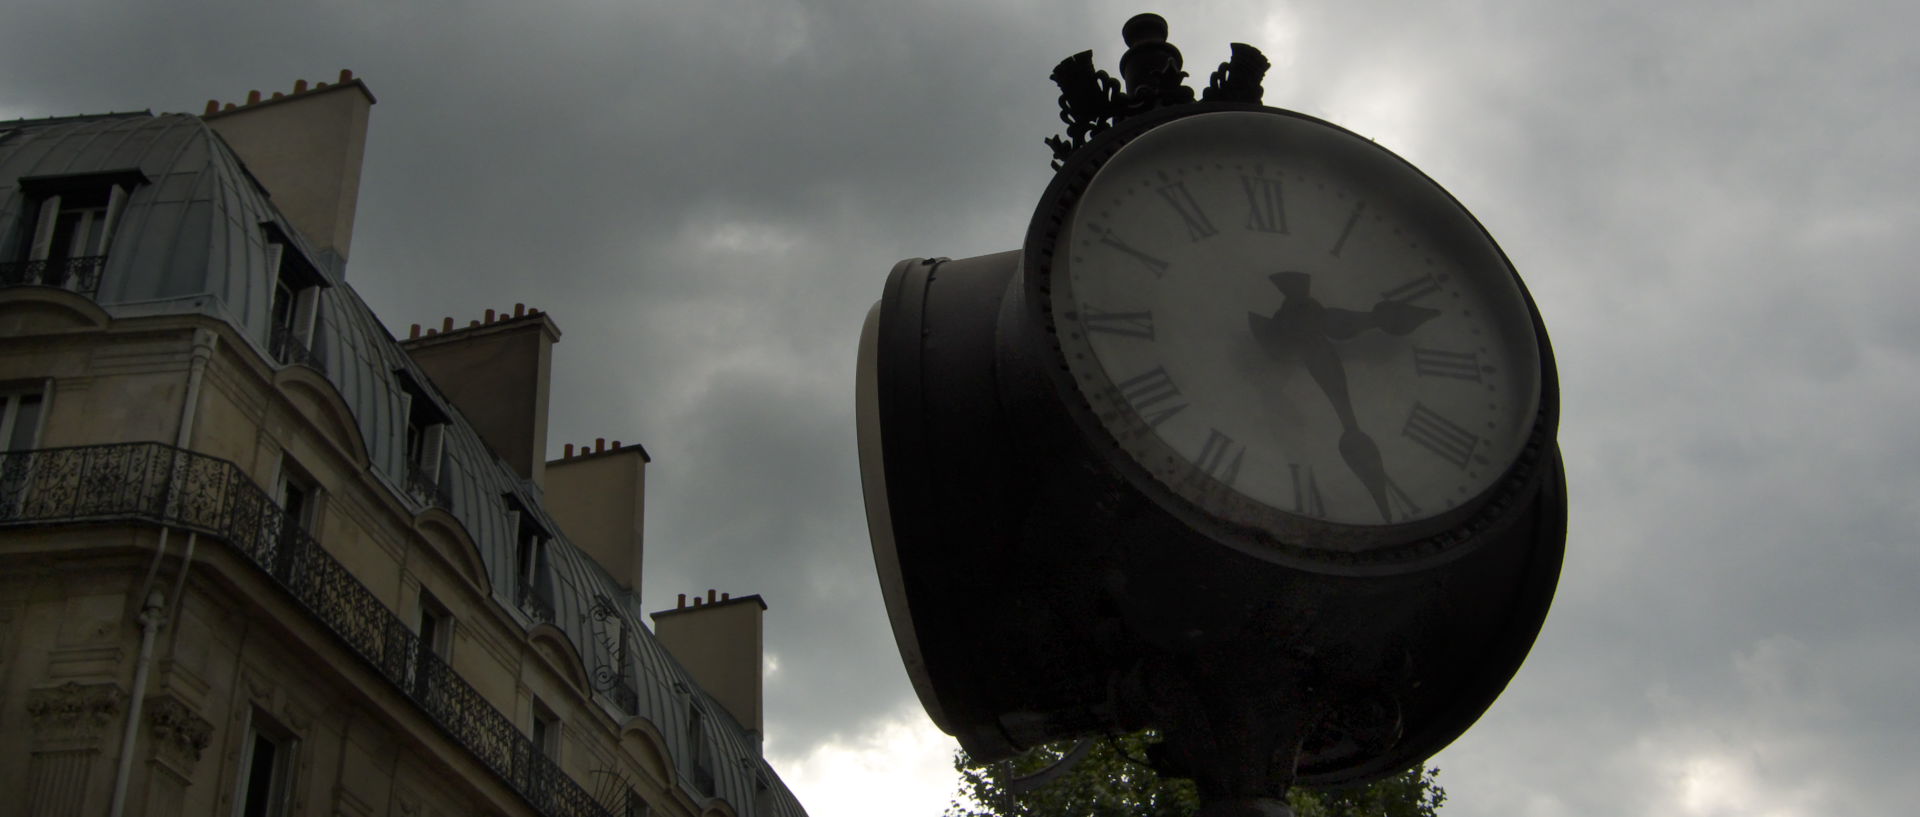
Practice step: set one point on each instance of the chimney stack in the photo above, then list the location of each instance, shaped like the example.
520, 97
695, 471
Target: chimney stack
306, 149
720, 644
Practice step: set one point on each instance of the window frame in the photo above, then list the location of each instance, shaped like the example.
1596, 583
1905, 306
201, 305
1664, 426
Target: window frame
286, 745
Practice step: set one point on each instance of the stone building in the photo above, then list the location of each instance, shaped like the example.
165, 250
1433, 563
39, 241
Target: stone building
258, 557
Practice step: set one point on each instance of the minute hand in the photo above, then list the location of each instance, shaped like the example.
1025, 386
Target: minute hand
1358, 449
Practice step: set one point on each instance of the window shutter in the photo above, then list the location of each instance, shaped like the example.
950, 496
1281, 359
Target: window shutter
432, 440
43, 231
116, 202
306, 310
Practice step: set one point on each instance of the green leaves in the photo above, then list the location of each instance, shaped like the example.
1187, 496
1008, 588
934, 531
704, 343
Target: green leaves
1114, 780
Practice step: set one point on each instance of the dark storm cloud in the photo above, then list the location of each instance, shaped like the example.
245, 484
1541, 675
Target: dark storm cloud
1710, 202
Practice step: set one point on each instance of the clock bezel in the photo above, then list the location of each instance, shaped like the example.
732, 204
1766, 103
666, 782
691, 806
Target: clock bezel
1283, 537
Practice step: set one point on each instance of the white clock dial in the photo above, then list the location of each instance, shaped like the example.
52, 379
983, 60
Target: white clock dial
1277, 319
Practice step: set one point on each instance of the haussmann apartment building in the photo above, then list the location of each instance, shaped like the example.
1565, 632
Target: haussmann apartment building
260, 558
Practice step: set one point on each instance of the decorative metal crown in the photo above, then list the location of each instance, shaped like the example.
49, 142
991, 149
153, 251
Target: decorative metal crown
1091, 101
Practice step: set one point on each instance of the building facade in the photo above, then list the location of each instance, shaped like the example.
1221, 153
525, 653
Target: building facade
260, 558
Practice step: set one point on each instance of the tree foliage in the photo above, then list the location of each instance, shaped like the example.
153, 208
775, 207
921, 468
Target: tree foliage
1113, 780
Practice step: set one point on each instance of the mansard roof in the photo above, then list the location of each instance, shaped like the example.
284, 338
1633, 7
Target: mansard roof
193, 239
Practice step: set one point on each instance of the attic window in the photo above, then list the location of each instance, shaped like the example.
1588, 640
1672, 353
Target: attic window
294, 310
532, 575
426, 452
70, 228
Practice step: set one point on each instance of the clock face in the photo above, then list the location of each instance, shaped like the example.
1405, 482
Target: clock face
1292, 328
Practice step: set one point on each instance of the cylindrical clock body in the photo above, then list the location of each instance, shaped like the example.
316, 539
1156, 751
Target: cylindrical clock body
1067, 546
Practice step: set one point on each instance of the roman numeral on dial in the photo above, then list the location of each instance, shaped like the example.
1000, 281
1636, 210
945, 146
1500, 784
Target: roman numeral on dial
1413, 290
1124, 324
1353, 220
1153, 395
1266, 212
1442, 363
1153, 265
1398, 503
1445, 438
1306, 491
1198, 225
1219, 457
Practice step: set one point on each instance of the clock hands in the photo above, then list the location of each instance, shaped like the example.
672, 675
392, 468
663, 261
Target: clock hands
1305, 328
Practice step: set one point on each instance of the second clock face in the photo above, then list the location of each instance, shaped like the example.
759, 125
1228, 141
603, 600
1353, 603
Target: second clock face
1279, 320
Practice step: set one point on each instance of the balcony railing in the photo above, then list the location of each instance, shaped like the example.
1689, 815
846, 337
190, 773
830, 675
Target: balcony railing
159, 484
79, 274
426, 489
534, 602
286, 347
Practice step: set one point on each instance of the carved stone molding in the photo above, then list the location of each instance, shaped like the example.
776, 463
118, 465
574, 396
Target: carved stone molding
179, 734
74, 712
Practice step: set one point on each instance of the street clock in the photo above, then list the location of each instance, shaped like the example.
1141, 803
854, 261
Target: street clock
1252, 441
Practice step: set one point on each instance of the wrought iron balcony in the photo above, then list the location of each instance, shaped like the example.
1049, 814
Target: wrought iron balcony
153, 483
534, 602
79, 274
287, 348
428, 490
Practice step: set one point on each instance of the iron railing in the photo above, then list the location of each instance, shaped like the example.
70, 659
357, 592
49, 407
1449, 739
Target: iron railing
160, 484
287, 348
79, 274
534, 601
427, 489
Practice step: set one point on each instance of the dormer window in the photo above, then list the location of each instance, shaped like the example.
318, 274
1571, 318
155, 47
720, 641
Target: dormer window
294, 311
72, 225
531, 573
426, 452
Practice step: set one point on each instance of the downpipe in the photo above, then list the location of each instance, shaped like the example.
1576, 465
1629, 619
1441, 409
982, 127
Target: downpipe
153, 615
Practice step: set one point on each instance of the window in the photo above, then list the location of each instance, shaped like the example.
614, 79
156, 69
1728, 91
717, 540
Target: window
294, 311
19, 420
436, 626
299, 496
19, 431
546, 732
531, 573
426, 450
70, 227
266, 769
697, 748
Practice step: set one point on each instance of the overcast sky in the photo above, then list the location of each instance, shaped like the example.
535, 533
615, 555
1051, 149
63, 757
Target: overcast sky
1712, 204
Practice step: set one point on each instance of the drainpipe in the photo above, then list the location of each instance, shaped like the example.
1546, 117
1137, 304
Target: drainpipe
153, 616
149, 619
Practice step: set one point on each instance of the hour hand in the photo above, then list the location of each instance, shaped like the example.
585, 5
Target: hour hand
1391, 317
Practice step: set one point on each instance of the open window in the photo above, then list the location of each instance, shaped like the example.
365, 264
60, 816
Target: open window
435, 626
702, 767
20, 412
70, 228
532, 575
427, 472
293, 314
266, 769
546, 732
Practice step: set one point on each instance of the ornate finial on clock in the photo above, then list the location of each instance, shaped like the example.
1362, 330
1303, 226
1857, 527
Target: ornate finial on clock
1092, 101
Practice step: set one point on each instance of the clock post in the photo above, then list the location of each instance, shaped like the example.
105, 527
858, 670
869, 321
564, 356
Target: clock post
1252, 442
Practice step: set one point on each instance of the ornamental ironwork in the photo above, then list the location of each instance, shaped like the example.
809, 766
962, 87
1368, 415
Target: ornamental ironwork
159, 484
611, 655
1092, 101
79, 274
288, 348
